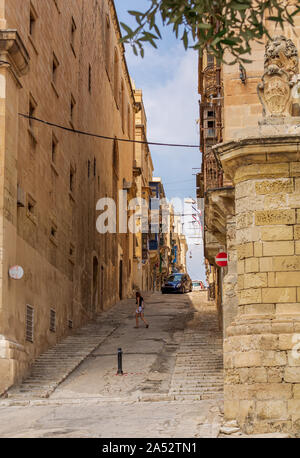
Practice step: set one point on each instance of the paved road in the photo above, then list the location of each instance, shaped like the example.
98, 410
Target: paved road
171, 387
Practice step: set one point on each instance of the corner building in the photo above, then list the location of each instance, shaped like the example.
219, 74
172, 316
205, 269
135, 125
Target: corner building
61, 61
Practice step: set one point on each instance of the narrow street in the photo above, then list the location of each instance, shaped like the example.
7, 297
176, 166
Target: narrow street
172, 384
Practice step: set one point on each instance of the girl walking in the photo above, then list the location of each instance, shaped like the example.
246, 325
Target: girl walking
139, 313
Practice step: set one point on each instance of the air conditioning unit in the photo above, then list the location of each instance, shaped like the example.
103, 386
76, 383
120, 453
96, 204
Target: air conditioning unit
21, 197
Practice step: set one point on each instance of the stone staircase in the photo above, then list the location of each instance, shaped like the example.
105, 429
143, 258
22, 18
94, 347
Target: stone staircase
55, 365
198, 371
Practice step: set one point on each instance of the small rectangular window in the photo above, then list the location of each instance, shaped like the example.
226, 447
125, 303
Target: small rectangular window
31, 110
210, 59
32, 21
54, 149
55, 65
73, 34
72, 108
90, 79
29, 323
70, 324
72, 177
52, 320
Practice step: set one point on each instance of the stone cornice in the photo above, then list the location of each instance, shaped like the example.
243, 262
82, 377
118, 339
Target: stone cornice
118, 33
14, 53
258, 152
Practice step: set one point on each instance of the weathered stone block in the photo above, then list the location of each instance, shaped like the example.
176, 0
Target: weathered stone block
287, 278
245, 250
258, 246
295, 169
285, 341
272, 410
244, 189
275, 374
259, 309
297, 247
276, 201
270, 295
274, 358
231, 408
253, 171
288, 309
251, 265
248, 359
249, 233
250, 296
270, 217
292, 374
240, 266
297, 232
294, 408
286, 263
274, 186
255, 280
277, 233
282, 327
266, 264
244, 220
297, 391
278, 248
276, 391
271, 279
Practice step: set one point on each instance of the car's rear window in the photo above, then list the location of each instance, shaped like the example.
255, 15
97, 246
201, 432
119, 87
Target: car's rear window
175, 277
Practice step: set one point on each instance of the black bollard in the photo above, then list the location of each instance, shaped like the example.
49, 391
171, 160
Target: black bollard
120, 355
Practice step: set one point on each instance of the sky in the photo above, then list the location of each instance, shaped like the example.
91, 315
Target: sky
168, 77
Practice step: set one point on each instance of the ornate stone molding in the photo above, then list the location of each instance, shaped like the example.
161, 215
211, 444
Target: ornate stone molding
281, 69
13, 54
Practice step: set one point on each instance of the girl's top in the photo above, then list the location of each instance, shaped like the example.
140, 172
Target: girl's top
140, 307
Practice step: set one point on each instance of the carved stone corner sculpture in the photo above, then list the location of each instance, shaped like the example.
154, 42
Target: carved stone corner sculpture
276, 91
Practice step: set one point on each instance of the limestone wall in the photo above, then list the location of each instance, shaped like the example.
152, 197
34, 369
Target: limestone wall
68, 266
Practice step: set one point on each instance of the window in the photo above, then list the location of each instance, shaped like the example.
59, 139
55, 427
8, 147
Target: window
107, 45
30, 204
95, 166
29, 321
72, 107
116, 77
70, 324
90, 79
32, 21
210, 114
55, 65
31, 110
52, 320
210, 59
73, 34
128, 121
72, 178
53, 234
31, 209
54, 148
122, 106
116, 157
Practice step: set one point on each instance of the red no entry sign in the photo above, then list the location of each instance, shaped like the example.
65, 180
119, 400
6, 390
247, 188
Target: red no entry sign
221, 259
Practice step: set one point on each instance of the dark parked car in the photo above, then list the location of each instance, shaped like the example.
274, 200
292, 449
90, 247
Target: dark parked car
177, 283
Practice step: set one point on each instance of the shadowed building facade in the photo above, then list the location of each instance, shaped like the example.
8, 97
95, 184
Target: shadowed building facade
61, 61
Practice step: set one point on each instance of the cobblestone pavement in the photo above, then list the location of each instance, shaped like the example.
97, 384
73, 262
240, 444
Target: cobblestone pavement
171, 387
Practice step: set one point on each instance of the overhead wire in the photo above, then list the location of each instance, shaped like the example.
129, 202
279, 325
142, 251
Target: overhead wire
105, 137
